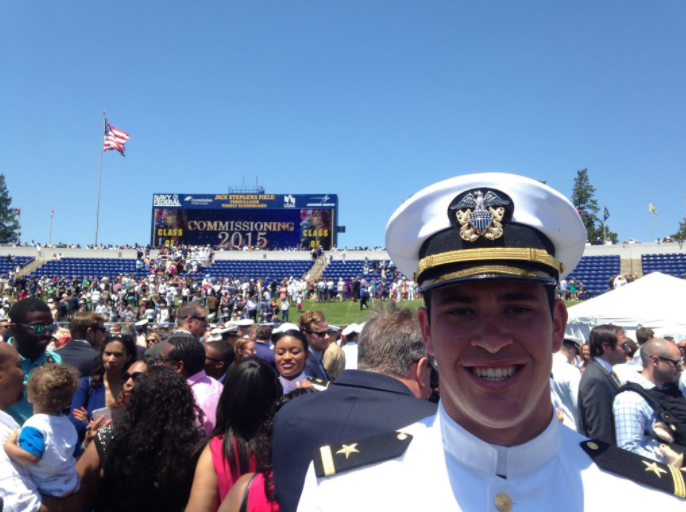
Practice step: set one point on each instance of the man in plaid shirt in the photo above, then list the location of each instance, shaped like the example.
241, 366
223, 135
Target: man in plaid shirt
634, 417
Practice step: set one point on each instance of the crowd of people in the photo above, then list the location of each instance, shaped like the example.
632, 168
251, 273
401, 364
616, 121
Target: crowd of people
160, 420
479, 400
574, 289
626, 393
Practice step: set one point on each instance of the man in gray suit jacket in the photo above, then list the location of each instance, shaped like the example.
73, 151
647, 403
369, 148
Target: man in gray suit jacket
599, 385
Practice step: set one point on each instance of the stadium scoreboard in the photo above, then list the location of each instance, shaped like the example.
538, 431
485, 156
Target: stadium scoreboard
233, 221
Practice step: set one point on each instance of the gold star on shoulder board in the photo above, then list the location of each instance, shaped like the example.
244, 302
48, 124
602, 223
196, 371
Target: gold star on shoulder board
652, 466
348, 449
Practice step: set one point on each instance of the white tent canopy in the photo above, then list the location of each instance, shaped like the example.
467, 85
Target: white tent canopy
657, 301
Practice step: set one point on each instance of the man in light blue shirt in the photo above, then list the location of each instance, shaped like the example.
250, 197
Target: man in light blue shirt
634, 417
32, 325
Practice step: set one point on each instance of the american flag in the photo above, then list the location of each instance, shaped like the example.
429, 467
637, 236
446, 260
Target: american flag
114, 139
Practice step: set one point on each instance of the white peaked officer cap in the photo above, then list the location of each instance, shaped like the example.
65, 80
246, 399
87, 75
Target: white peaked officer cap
486, 226
245, 322
286, 327
350, 329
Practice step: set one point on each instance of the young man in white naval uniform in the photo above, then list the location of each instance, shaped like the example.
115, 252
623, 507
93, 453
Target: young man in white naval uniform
488, 251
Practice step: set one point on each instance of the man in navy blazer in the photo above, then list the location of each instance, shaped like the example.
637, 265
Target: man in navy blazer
387, 392
316, 329
87, 334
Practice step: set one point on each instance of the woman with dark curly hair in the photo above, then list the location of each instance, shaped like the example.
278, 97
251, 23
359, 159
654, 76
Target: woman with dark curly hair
147, 461
250, 390
117, 353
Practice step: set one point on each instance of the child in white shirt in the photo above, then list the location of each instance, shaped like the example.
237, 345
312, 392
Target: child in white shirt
45, 444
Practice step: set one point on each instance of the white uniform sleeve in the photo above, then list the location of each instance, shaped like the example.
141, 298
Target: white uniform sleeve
309, 501
574, 381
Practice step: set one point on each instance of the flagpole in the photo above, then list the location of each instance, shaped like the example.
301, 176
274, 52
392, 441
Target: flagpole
50, 232
604, 233
650, 225
97, 210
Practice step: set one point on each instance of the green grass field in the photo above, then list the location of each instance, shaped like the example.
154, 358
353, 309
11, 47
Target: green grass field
340, 313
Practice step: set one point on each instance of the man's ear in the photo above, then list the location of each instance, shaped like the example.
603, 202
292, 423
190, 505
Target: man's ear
178, 366
560, 316
422, 366
423, 316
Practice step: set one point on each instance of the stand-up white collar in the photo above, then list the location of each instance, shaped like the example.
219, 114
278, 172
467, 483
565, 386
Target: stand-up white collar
514, 462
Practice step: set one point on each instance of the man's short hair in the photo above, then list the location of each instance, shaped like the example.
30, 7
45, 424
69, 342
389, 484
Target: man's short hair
82, 322
644, 334
224, 351
391, 342
264, 332
188, 350
21, 309
185, 310
310, 318
601, 335
128, 329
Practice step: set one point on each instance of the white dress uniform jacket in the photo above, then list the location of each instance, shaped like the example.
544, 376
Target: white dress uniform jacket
564, 385
448, 469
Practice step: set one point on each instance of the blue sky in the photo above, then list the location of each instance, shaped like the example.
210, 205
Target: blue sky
371, 100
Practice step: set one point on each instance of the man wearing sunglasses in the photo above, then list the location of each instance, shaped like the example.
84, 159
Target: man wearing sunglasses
316, 329
634, 416
32, 324
191, 320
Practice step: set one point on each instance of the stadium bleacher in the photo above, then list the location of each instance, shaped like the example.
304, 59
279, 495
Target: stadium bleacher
113, 267
351, 269
88, 267
7, 266
595, 272
673, 264
253, 269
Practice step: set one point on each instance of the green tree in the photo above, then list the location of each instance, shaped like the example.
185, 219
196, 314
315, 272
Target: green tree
582, 198
9, 225
682, 231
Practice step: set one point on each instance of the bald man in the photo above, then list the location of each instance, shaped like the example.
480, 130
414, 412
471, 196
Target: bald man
633, 414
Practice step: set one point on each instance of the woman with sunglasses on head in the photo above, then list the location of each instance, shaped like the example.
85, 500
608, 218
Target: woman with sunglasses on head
103, 388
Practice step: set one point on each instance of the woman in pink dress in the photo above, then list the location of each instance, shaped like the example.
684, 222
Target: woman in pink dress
254, 492
250, 390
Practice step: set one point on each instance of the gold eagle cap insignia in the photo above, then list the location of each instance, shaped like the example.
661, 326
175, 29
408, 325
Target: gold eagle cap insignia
480, 215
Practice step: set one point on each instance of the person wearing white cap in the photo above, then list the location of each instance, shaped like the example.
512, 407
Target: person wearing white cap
243, 326
565, 379
350, 348
487, 251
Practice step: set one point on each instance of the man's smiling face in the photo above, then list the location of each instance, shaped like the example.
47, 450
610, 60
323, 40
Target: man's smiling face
494, 341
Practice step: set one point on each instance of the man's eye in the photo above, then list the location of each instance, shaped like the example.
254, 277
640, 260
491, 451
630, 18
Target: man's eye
518, 309
461, 312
